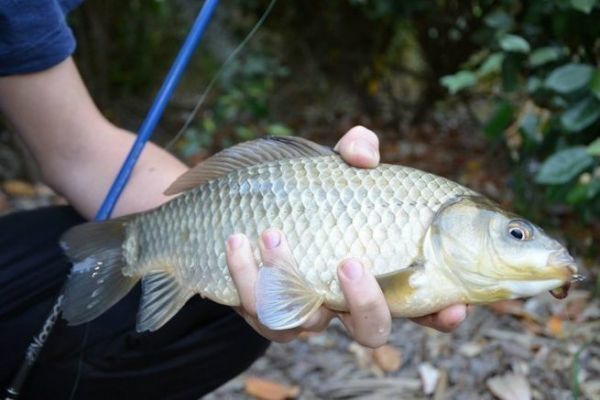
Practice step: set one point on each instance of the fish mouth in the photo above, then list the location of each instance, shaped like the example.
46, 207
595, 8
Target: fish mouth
564, 261
562, 291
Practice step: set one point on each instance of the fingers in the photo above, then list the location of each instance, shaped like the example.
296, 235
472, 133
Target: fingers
274, 250
446, 320
359, 147
243, 270
369, 320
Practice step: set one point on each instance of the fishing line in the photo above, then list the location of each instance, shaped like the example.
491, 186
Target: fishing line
216, 77
86, 332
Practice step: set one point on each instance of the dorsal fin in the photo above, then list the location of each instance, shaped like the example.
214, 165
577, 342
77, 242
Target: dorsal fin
245, 155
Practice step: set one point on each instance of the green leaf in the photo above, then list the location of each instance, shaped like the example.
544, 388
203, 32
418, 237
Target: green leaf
564, 165
245, 133
209, 125
584, 191
530, 126
544, 55
491, 65
568, 78
581, 115
584, 6
459, 81
595, 83
593, 188
278, 130
558, 102
514, 43
578, 194
500, 120
511, 66
534, 84
594, 148
499, 20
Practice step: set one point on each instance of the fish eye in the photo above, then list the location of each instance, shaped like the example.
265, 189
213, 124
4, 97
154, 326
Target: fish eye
520, 230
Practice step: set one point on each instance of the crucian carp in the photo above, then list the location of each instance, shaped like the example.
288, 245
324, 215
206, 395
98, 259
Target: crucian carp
430, 242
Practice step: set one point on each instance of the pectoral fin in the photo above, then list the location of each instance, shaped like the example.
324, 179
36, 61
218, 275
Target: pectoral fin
284, 300
397, 288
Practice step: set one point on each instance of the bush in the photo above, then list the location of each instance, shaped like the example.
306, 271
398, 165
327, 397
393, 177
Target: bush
538, 60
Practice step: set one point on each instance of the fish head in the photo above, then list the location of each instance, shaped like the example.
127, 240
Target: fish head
498, 255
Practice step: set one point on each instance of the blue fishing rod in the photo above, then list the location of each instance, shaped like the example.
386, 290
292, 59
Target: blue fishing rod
145, 132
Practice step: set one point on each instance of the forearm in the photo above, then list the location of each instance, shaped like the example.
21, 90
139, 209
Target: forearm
86, 187
79, 152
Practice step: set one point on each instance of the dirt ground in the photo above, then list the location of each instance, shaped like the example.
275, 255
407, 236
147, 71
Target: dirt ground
516, 351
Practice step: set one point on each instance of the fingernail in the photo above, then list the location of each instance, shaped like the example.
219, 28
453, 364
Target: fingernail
271, 239
460, 314
363, 149
234, 241
352, 270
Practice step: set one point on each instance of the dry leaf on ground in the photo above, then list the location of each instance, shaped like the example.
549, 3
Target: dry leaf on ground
554, 326
266, 389
4, 204
510, 387
470, 349
512, 307
362, 355
441, 386
429, 377
532, 326
18, 188
388, 358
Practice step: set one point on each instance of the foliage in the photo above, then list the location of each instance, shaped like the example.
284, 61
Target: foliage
240, 106
122, 47
538, 60
125, 49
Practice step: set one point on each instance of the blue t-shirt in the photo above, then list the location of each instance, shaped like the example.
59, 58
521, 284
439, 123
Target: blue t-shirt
34, 34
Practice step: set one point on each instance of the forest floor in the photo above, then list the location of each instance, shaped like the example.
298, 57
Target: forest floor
540, 348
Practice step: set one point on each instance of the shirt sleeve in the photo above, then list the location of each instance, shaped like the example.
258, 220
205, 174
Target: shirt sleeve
34, 34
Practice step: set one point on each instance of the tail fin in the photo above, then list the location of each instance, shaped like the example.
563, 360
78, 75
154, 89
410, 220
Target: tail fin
96, 282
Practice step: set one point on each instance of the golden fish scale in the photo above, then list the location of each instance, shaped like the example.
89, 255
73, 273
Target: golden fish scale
327, 210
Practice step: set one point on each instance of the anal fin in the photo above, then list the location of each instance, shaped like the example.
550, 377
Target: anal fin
162, 298
284, 300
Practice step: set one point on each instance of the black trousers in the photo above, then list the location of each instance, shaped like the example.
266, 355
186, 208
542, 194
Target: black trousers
202, 347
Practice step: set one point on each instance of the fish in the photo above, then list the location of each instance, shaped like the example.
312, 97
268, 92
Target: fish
429, 242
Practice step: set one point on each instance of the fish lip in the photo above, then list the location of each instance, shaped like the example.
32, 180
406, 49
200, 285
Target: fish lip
563, 260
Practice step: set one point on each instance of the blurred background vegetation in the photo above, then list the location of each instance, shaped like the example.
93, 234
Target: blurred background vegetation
503, 96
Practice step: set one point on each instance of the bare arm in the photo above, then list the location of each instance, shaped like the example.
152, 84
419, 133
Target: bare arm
79, 152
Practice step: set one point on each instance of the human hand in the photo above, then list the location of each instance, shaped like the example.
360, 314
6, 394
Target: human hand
368, 319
